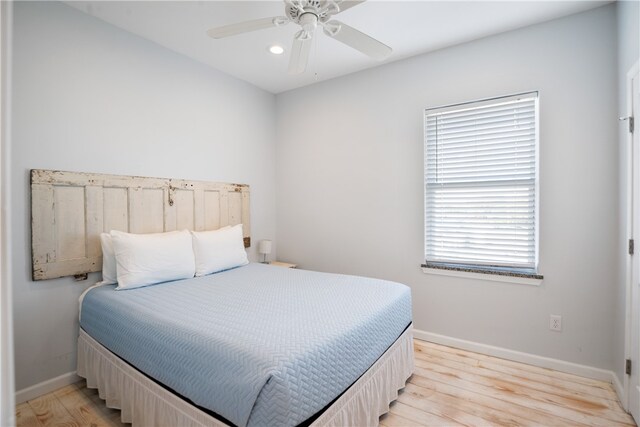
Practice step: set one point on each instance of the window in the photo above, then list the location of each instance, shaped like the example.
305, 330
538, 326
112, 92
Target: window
481, 189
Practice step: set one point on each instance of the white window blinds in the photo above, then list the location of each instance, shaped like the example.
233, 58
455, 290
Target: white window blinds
481, 183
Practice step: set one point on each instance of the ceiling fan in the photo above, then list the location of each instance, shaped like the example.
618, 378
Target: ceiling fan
308, 14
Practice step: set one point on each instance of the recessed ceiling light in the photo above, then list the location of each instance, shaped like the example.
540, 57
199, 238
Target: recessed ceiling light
276, 49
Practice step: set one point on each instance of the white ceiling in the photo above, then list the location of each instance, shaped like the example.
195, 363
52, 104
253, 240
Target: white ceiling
409, 27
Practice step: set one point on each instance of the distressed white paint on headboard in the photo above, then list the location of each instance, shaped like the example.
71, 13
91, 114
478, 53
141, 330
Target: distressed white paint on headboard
69, 210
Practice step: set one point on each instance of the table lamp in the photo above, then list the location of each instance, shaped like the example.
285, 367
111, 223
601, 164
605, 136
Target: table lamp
264, 248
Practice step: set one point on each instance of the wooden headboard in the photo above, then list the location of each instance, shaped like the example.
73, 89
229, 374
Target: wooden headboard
69, 210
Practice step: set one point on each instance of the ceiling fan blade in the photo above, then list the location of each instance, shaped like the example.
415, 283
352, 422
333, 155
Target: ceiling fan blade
357, 40
299, 54
243, 27
348, 4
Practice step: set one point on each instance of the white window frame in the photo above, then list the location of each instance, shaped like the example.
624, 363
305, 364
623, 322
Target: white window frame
479, 270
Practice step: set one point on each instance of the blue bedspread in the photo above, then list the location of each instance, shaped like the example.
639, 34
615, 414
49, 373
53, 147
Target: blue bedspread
259, 345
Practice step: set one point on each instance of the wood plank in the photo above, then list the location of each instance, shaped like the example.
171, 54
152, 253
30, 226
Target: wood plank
184, 201
424, 402
588, 406
50, 412
518, 365
517, 396
560, 388
81, 408
420, 417
43, 225
54, 177
234, 200
493, 416
116, 209
246, 209
146, 210
94, 208
69, 267
393, 420
211, 210
224, 208
199, 212
517, 412
70, 221
25, 417
520, 370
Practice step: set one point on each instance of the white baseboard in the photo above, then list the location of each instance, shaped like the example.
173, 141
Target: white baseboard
528, 358
619, 389
45, 387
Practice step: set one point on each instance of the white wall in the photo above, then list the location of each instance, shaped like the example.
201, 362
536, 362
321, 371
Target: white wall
349, 177
91, 97
628, 19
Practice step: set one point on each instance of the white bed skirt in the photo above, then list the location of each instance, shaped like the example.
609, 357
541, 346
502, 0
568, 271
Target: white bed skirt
144, 403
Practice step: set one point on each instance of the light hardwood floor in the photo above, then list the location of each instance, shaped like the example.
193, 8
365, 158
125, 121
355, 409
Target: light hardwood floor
449, 387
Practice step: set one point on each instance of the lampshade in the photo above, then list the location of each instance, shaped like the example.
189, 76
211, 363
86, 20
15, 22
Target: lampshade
264, 247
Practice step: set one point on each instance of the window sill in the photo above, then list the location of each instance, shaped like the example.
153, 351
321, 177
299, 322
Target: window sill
523, 279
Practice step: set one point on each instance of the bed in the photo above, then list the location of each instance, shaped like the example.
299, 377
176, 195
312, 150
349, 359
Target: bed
252, 345
255, 345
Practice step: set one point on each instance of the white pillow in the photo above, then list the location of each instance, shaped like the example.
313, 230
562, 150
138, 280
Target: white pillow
108, 260
146, 259
219, 250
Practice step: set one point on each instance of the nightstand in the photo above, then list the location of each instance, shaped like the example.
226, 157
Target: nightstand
283, 264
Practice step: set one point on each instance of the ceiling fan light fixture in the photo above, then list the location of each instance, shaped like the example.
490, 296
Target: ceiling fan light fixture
276, 49
308, 21
308, 14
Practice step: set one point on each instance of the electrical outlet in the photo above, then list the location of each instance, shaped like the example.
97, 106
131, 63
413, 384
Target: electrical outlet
555, 323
